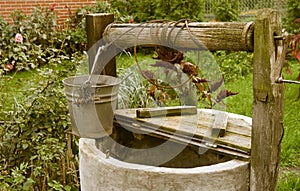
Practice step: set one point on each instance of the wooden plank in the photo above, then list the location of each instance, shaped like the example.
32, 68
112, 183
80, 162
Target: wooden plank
220, 149
165, 111
267, 113
220, 124
197, 127
237, 36
237, 124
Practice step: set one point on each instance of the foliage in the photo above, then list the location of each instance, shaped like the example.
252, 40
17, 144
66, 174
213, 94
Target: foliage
35, 148
294, 43
293, 12
37, 151
294, 50
290, 181
226, 10
234, 65
174, 78
132, 92
36, 145
99, 7
291, 141
146, 10
41, 40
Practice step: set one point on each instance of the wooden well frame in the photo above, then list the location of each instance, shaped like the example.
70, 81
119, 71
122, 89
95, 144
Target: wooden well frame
261, 37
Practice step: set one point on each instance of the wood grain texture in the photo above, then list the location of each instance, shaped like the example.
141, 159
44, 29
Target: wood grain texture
267, 113
95, 26
165, 111
237, 36
192, 127
220, 125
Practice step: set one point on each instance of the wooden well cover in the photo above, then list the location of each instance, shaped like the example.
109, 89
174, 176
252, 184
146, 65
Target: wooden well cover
226, 133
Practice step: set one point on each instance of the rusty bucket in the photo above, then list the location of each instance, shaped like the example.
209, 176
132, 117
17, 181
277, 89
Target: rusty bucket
92, 101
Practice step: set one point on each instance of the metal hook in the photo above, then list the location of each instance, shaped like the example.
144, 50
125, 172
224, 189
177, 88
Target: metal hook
279, 37
281, 80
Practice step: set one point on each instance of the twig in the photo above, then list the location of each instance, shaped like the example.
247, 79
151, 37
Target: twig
35, 100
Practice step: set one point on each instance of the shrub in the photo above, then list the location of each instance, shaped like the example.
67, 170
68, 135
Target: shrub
234, 65
146, 10
226, 10
293, 12
294, 49
36, 150
43, 42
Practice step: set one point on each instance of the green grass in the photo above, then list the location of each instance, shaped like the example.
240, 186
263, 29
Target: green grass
13, 86
291, 143
289, 181
126, 61
241, 103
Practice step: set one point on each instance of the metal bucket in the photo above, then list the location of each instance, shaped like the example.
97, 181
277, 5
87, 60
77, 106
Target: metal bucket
92, 105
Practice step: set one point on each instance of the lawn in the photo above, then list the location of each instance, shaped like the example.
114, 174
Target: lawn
13, 86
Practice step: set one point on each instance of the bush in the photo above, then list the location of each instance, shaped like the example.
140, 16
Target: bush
293, 12
234, 65
36, 40
226, 10
36, 150
146, 10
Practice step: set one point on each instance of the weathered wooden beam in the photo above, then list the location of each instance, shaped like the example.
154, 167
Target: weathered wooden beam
267, 113
220, 124
95, 26
166, 111
236, 36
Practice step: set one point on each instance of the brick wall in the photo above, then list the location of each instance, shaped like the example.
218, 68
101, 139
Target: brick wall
61, 9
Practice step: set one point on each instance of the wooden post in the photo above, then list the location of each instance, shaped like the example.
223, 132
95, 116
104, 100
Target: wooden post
95, 26
267, 113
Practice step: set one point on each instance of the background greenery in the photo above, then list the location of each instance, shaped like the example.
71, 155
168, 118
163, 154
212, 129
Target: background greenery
37, 149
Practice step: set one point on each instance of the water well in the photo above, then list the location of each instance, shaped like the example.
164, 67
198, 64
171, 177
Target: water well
225, 166
125, 160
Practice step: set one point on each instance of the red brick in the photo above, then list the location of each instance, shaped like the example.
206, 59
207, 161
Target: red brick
62, 8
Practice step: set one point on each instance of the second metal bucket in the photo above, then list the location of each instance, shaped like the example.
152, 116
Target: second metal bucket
92, 106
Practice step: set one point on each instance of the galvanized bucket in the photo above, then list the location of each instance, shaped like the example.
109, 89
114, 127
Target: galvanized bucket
92, 101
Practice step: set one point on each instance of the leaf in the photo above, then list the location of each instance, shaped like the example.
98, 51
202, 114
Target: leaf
164, 64
199, 80
68, 188
33, 157
28, 184
190, 69
296, 20
225, 93
25, 146
216, 85
169, 55
152, 91
148, 74
297, 55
